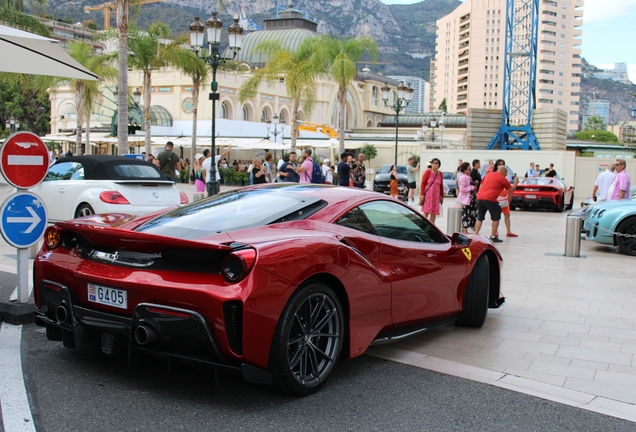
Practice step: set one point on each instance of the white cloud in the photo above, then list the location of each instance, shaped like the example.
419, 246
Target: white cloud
603, 10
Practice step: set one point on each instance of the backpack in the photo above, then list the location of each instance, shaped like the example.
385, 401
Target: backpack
317, 176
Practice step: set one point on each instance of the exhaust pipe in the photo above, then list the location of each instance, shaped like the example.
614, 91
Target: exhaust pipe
145, 335
61, 314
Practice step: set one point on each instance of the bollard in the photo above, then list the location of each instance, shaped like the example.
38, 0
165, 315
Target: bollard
454, 219
573, 236
198, 196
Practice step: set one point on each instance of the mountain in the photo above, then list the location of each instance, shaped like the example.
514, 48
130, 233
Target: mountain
405, 33
620, 95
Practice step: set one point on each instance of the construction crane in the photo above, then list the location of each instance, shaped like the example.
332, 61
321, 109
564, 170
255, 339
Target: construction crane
112, 6
316, 127
520, 71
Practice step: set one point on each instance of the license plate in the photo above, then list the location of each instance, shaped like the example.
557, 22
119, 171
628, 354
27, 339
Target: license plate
531, 196
108, 296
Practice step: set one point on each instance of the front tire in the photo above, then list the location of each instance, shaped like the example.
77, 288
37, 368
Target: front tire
475, 307
627, 245
308, 340
84, 210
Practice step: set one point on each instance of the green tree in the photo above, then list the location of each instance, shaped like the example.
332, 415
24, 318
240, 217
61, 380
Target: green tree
337, 57
369, 151
594, 123
12, 14
198, 71
300, 78
86, 91
26, 98
149, 51
442, 106
598, 135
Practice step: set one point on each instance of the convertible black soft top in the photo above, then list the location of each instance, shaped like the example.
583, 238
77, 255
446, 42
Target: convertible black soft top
101, 167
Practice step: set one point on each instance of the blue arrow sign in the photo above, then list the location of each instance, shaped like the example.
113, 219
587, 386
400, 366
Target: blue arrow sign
23, 219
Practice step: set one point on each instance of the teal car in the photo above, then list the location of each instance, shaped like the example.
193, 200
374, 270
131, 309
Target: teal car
613, 223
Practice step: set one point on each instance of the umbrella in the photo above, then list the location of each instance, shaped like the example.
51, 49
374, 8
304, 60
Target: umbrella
28, 53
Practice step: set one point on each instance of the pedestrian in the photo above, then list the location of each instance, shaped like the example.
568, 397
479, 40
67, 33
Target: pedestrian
505, 198
207, 167
539, 172
464, 196
487, 202
327, 172
279, 163
360, 176
169, 162
458, 174
490, 166
269, 165
250, 169
412, 171
432, 190
603, 183
259, 172
197, 174
532, 172
393, 181
550, 172
287, 170
344, 170
619, 190
306, 169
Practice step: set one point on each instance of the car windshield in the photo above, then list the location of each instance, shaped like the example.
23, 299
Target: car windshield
541, 181
233, 211
449, 176
387, 169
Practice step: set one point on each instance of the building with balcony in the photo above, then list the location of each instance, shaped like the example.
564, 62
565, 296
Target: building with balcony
469, 59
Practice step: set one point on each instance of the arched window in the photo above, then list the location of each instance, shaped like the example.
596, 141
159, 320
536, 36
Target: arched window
263, 115
223, 113
374, 96
281, 117
300, 115
369, 123
245, 113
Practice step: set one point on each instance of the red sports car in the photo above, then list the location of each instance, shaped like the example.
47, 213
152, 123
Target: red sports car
543, 192
278, 282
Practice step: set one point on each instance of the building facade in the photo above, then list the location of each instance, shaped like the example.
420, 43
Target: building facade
421, 94
598, 108
468, 69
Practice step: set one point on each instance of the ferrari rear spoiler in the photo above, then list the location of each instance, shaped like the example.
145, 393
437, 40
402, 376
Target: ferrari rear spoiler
125, 240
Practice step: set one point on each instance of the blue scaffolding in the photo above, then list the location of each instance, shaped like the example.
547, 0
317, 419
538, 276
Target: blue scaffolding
520, 71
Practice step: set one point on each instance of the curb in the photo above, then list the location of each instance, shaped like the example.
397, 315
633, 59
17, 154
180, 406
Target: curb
17, 313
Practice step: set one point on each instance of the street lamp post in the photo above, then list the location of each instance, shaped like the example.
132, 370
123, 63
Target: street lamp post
274, 129
441, 131
213, 27
12, 124
405, 94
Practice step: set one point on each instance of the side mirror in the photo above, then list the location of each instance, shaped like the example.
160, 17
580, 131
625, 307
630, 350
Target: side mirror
460, 241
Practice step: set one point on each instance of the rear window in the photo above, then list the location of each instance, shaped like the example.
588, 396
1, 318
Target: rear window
233, 211
541, 181
135, 171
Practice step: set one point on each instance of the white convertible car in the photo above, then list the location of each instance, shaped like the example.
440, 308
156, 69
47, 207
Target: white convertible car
84, 185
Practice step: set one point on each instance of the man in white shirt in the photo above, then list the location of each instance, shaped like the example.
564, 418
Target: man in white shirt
207, 167
603, 183
326, 171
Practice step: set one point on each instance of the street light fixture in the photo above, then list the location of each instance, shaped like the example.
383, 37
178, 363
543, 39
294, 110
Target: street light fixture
213, 27
433, 125
404, 96
137, 96
274, 130
12, 124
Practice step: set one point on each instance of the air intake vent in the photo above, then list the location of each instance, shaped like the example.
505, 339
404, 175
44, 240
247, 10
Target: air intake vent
233, 312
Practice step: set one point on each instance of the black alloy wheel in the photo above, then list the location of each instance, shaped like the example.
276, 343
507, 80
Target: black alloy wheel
84, 210
627, 245
561, 206
308, 340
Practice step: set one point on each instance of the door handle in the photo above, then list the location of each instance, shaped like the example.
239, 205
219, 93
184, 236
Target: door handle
61, 190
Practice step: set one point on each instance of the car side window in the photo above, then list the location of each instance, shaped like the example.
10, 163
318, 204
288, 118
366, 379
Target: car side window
356, 220
63, 171
78, 174
395, 221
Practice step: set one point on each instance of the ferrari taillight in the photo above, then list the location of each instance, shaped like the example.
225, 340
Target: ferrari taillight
113, 197
53, 237
237, 265
184, 198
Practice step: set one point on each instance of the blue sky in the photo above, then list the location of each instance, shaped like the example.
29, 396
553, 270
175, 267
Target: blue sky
609, 32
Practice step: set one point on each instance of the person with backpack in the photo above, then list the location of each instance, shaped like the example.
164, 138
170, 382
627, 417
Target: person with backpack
169, 162
309, 171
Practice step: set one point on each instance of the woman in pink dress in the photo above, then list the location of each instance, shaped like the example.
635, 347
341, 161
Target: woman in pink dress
432, 190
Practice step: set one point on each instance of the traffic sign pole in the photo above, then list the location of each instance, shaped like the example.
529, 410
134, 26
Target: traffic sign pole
23, 275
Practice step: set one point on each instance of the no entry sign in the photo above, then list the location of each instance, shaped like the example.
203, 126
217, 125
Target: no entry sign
24, 160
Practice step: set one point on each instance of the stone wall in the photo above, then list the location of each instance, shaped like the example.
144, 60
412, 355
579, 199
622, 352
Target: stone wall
482, 125
550, 126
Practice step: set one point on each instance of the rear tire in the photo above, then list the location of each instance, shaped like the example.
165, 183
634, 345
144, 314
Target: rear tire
561, 206
475, 307
627, 245
84, 210
571, 205
308, 340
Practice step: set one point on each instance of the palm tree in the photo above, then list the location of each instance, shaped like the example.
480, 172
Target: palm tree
85, 91
594, 123
12, 14
300, 78
123, 15
150, 50
196, 69
338, 58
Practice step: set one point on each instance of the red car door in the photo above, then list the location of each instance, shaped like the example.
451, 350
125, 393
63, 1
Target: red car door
425, 271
